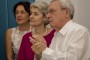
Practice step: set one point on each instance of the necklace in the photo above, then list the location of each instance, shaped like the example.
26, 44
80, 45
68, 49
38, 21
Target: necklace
44, 32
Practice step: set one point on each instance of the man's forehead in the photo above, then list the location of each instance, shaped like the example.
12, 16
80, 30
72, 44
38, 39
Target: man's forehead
50, 7
53, 5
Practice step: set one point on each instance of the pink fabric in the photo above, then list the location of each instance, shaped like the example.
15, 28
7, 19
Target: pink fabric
25, 52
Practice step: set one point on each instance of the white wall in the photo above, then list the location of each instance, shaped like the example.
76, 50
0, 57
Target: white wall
82, 11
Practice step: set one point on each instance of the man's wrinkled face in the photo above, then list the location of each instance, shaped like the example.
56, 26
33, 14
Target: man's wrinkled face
55, 15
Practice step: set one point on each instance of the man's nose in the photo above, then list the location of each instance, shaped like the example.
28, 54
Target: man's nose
48, 15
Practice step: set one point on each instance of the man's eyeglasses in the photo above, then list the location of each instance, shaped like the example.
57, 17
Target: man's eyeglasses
52, 11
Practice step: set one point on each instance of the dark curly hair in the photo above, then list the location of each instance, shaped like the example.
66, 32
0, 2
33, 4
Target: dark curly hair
25, 4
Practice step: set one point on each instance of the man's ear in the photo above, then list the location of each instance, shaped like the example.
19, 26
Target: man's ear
67, 12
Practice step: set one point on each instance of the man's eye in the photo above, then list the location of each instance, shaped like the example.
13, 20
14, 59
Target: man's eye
52, 11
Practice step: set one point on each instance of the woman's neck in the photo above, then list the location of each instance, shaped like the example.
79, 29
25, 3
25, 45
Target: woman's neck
25, 27
40, 30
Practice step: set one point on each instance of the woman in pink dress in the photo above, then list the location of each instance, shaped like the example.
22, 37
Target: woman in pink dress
38, 21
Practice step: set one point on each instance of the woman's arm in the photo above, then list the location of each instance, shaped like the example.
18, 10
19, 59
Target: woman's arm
9, 50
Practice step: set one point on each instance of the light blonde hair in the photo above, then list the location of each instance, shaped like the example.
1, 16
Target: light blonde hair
42, 6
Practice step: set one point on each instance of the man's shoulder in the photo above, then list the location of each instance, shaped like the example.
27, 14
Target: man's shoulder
78, 27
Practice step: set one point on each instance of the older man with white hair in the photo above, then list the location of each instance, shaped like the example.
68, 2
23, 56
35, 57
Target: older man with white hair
71, 41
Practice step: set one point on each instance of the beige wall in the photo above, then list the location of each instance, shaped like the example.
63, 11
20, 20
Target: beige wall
44, 0
82, 11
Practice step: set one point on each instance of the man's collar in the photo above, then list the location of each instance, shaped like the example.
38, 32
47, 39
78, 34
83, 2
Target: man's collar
66, 27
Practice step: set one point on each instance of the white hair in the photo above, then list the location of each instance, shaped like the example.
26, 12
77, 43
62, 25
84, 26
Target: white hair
67, 4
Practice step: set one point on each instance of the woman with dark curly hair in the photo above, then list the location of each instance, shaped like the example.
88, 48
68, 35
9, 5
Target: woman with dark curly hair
14, 35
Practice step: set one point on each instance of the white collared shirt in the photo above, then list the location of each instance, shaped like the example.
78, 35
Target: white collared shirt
72, 42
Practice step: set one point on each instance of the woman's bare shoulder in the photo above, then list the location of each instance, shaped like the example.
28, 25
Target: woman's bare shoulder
9, 30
